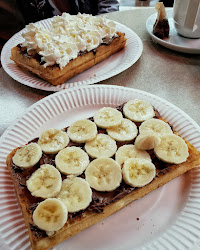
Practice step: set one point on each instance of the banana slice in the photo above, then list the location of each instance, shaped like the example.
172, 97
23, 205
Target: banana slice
125, 131
50, 215
147, 141
172, 149
27, 156
103, 174
138, 172
130, 151
107, 117
102, 146
75, 193
53, 140
156, 126
82, 131
45, 182
72, 160
138, 110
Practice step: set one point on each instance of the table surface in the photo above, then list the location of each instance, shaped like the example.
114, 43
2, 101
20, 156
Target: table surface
168, 74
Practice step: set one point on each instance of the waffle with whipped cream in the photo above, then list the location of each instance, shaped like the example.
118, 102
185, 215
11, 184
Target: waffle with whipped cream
67, 180
71, 44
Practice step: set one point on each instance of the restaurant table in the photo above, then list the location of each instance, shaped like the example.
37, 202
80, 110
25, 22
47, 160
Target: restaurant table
168, 74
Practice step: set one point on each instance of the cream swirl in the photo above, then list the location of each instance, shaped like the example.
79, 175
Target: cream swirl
36, 37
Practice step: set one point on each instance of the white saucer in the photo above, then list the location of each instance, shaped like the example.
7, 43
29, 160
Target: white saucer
175, 41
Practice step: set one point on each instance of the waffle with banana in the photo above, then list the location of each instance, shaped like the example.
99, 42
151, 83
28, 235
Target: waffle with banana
71, 45
67, 180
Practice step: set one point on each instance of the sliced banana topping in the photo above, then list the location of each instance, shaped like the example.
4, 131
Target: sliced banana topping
52, 141
156, 126
82, 131
125, 131
45, 182
72, 160
75, 193
146, 141
50, 215
102, 146
104, 174
138, 172
172, 149
132, 162
138, 110
27, 156
130, 151
107, 117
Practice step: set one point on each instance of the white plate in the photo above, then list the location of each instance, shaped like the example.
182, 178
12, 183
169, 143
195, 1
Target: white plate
175, 41
169, 217
110, 67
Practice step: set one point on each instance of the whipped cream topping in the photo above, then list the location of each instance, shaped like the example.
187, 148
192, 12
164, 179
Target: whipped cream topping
68, 35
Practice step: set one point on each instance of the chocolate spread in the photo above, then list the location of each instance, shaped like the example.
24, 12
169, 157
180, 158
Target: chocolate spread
99, 199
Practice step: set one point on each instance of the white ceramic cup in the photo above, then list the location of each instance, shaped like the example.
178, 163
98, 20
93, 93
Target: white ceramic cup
186, 14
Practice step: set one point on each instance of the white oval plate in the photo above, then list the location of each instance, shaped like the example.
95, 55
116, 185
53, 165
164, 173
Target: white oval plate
110, 67
167, 218
174, 41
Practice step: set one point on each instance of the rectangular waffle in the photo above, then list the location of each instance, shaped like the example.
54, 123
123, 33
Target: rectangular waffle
97, 211
55, 75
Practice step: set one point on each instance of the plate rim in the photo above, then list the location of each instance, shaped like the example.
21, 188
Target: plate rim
158, 239
99, 86
168, 45
63, 86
